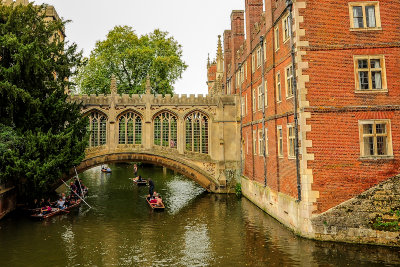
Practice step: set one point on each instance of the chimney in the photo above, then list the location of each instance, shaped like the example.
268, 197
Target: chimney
254, 9
237, 40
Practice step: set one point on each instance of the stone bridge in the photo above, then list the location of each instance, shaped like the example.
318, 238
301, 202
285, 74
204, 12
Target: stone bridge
198, 136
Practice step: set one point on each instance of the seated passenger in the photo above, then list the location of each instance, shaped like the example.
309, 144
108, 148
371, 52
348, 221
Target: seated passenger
61, 203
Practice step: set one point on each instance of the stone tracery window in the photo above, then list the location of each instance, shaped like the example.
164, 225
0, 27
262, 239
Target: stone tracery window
130, 129
197, 132
97, 128
165, 130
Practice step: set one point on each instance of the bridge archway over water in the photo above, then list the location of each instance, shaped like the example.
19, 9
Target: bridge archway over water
198, 136
198, 175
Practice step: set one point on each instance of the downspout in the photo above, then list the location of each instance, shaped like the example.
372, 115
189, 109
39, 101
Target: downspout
289, 5
263, 108
241, 130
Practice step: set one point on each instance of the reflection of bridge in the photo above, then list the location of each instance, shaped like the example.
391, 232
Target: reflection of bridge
196, 136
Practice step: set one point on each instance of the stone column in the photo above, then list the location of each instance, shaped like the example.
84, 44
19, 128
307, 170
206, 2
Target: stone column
181, 136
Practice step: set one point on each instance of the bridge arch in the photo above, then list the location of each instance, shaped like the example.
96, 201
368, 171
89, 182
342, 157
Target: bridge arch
198, 175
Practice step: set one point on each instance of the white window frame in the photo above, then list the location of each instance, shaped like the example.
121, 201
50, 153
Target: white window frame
253, 63
388, 134
260, 143
289, 81
276, 32
254, 142
286, 28
265, 50
382, 69
266, 141
265, 94
260, 99
291, 140
278, 87
279, 135
258, 57
378, 24
254, 100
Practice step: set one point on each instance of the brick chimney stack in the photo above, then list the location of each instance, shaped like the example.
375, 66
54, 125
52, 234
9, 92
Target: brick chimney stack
254, 9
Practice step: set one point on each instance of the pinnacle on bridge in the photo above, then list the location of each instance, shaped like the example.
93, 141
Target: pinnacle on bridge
148, 85
113, 84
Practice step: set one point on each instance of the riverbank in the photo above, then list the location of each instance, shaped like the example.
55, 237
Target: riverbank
372, 217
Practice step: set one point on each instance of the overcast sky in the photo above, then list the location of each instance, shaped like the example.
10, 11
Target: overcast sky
195, 24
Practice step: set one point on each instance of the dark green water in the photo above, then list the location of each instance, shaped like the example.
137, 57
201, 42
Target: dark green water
196, 229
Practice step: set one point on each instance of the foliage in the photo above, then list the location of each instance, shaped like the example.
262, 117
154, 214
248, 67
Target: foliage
131, 58
238, 190
392, 225
42, 135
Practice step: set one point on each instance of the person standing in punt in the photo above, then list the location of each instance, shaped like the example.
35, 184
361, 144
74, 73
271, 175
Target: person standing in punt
151, 188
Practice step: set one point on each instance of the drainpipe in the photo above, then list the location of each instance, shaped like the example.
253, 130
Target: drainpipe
289, 6
241, 129
263, 108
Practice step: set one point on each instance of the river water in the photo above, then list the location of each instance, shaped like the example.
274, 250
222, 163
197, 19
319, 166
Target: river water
196, 229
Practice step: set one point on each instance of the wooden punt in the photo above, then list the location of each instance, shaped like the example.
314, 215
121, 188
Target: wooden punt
154, 206
55, 212
141, 183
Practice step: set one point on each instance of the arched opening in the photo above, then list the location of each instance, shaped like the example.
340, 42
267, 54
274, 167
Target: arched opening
165, 130
200, 176
97, 128
130, 129
197, 132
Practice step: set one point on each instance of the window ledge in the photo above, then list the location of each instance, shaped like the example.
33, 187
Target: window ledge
365, 29
376, 91
285, 41
289, 97
278, 102
376, 158
291, 157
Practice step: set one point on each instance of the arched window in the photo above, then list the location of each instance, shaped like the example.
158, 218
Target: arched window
197, 132
98, 129
165, 130
130, 129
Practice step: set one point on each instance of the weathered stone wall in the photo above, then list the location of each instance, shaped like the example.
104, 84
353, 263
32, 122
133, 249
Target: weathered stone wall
8, 200
371, 217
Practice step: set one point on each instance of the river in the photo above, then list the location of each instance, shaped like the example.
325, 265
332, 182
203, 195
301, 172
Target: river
196, 229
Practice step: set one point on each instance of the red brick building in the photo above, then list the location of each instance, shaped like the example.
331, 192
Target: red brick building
346, 71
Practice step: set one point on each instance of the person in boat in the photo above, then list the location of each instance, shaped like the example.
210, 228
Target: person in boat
157, 201
47, 202
34, 204
78, 186
61, 203
138, 179
72, 186
151, 187
41, 204
67, 201
135, 169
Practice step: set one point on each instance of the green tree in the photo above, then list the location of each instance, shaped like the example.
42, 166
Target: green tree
42, 134
131, 58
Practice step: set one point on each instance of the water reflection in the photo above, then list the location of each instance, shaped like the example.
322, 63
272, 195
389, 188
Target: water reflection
197, 229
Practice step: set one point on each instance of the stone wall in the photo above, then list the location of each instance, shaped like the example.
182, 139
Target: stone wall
371, 217
8, 200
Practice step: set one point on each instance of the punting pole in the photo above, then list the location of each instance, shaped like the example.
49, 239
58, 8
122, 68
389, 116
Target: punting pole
79, 181
76, 194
